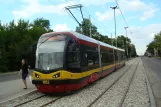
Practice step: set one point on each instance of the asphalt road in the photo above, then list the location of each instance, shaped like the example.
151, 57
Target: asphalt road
154, 64
10, 76
154, 74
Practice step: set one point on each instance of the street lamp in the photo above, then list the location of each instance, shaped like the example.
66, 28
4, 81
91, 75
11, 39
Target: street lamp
126, 41
115, 23
115, 31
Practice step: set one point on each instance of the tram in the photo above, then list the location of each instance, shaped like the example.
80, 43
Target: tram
68, 61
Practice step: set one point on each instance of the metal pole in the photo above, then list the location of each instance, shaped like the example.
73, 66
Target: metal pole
123, 44
126, 41
115, 23
113, 48
90, 25
115, 31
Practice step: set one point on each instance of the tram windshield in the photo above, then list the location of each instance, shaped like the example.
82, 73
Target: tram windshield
49, 54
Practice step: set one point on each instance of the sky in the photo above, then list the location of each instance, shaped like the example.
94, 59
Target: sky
142, 16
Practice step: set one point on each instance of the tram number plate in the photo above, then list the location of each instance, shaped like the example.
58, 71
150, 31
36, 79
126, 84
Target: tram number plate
45, 82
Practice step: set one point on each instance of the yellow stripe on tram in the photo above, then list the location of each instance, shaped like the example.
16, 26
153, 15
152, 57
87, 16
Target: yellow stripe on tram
69, 75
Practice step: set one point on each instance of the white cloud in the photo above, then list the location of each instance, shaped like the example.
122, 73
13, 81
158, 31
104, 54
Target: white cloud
61, 27
148, 14
94, 2
34, 7
134, 5
146, 9
7, 1
106, 16
142, 36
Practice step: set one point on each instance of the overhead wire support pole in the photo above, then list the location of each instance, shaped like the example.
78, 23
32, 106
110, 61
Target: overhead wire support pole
122, 15
115, 32
126, 41
115, 23
90, 25
113, 48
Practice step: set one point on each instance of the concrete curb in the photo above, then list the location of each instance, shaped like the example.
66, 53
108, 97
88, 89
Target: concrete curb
23, 95
151, 93
14, 72
8, 73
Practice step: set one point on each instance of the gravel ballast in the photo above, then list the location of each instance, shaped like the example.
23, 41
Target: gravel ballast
85, 96
21, 99
39, 102
113, 97
138, 92
80, 99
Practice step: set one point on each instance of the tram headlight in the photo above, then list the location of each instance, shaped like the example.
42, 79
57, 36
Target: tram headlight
37, 76
56, 75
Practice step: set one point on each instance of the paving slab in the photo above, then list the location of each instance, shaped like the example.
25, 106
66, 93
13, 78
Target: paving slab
14, 88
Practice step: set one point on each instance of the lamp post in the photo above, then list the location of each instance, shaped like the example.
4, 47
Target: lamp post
126, 41
115, 33
115, 23
90, 26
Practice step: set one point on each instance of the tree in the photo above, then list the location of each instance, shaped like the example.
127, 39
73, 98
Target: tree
16, 40
122, 41
41, 22
125, 43
86, 28
132, 50
155, 44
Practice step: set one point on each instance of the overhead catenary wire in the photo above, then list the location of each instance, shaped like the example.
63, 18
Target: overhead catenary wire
63, 8
87, 15
98, 23
123, 15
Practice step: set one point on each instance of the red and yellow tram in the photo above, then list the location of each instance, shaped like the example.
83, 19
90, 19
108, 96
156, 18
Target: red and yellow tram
67, 61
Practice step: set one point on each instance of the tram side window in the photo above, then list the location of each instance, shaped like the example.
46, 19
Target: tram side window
105, 58
73, 58
111, 56
119, 55
122, 56
116, 56
93, 58
111, 59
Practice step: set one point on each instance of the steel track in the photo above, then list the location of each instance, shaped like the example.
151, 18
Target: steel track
110, 86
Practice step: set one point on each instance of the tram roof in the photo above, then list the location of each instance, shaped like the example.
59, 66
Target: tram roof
86, 38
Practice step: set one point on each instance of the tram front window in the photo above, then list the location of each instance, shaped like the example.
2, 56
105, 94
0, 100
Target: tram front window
49, 55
